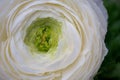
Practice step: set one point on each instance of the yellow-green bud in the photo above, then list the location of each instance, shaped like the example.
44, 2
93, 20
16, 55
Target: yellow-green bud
43, 34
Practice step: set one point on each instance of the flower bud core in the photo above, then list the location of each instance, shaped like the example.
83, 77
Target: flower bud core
43, 34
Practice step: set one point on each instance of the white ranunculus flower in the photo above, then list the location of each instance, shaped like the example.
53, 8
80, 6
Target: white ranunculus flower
51, 39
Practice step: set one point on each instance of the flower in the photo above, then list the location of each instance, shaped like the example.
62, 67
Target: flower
52, 39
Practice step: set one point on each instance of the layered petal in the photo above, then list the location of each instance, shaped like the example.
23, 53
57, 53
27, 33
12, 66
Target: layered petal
80, 50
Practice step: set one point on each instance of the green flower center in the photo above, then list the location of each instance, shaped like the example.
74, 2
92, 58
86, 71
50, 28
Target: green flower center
43, 34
